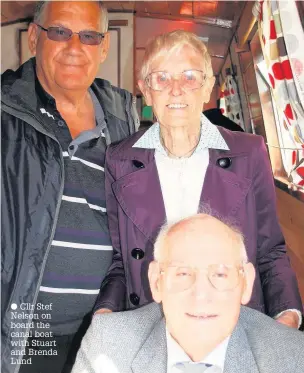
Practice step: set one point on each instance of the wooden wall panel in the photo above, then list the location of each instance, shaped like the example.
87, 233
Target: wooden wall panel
291, 217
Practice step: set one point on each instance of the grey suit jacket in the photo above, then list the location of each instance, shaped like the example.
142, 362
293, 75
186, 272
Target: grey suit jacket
135, 342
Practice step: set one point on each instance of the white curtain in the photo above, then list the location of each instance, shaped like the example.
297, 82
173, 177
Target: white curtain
282, 40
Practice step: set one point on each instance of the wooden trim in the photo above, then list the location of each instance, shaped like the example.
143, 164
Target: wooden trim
118, 22
20, 20
134, 55
280, 184
20, 44
112, 23
169, 17
217, 56
128, 11
233, 36
246, 34
118, 30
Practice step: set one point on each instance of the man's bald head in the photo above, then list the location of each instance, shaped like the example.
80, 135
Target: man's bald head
202, 227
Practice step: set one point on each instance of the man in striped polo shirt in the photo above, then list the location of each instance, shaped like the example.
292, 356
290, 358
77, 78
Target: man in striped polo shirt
58, 121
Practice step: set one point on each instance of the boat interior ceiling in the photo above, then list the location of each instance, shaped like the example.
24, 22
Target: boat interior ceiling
214, 21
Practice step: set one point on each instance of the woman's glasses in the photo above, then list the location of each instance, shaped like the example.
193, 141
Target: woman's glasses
188, 80
64, 34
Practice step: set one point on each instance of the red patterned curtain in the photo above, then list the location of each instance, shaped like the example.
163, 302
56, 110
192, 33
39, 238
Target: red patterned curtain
230, 102
282, 40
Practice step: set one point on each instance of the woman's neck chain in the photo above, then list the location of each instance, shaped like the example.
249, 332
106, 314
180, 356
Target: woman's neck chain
185, 155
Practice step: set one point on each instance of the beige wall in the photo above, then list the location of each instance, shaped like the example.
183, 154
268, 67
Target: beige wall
126, 54
10, 46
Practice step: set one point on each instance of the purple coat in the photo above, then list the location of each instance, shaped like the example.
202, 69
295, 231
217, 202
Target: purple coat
244, 192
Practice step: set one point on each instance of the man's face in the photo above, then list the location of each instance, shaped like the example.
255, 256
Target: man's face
201, 314
70, 64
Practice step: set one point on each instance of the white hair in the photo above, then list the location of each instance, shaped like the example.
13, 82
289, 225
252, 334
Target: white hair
40, 7
174, 41
160, 242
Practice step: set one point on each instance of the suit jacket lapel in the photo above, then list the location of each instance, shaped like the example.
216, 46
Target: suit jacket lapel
152, 357
239, 356
142, 189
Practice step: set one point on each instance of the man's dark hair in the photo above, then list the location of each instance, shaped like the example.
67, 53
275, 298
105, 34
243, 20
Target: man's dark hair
40, 5
216, 117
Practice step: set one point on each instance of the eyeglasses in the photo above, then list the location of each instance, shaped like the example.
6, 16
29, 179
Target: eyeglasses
222, 277
188, 80
64, 34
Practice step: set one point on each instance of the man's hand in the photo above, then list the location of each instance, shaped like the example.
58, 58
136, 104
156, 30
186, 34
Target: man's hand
289, 318
102, 310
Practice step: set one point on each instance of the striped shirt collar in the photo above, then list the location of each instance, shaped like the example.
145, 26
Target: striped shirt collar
210, 138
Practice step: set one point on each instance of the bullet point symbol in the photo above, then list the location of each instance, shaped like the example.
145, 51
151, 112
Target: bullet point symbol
13, 306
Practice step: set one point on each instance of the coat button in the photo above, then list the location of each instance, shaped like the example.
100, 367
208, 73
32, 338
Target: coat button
134, 298
138, 164
137, 253
224, 162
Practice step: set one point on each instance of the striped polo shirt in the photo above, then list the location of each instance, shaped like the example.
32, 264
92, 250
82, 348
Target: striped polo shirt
81, 250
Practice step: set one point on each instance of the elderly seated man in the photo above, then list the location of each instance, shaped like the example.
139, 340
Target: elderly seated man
202, 279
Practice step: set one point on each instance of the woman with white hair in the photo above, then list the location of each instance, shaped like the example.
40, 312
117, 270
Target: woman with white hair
180, 163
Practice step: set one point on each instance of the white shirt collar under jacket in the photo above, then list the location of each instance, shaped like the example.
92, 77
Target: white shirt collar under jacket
177, 355
210, 138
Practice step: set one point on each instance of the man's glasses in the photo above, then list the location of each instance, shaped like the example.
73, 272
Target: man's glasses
188, 80
64, 34
222, 277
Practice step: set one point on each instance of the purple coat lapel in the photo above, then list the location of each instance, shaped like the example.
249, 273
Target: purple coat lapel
139, 195
224, 190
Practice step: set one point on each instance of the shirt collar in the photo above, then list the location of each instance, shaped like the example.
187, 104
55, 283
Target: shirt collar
46, 101
44, 97
177, 355
210, 138
47, 105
